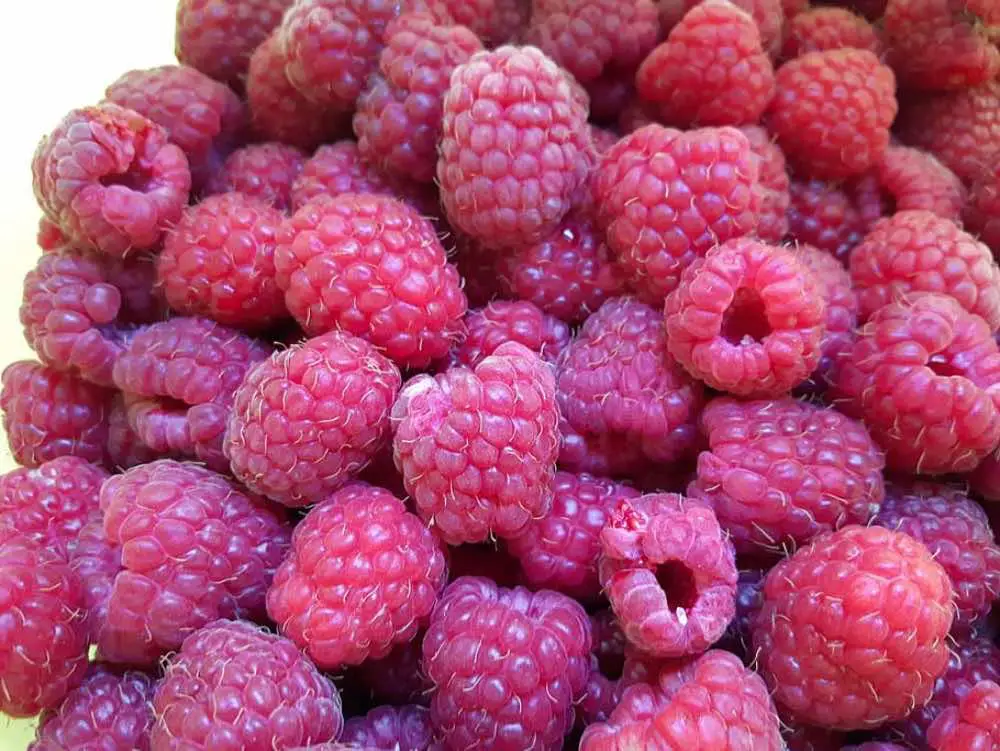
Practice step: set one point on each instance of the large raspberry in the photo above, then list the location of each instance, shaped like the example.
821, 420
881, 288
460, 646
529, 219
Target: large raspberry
489, 327
769, 15
819, 29
814, 639
507, 666
477, 448
665, 197
773, 184
974, 724
406, 728
982, 211
833, 217
235, 686
265, 171
110, 179
912, 179
923, 377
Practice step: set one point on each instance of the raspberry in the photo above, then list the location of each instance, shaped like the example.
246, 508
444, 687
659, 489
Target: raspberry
805, 738
500, 322
50, 237
48, 413
749, 600
832, 111
609, 642
124, 448
625, 403
234, 686
477, 447
773, 185
496, 22
109, 710
372, 266
665, 197
559, 551
814, 639
265, 171
397, 678
398, 120
709, 702
984, 480
972, 725
44, 651
921, 377
768, 15
309, 418
391, 729
712, 70
982, 211
914, 179
532, 653
513, 147
747, 319
219, 262
819, 29
194, 548
110, 179
830, 216
218, 36
873, 10
96, 561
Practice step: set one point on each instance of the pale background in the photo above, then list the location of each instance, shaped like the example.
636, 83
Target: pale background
56, 55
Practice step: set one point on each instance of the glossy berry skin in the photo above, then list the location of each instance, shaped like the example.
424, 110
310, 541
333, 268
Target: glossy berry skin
501, 321
233, 686
833, 217
406, 728
856, 676
912, 179
532, 654
264, 171
973, 724
819, 29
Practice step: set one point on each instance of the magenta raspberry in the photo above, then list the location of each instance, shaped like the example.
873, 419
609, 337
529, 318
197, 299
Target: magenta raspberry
405, 728
833, 217
264, 171
489, 327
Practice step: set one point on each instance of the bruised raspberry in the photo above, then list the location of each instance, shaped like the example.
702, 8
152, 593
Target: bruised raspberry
489, 327
819, 29
912, 179
264, 171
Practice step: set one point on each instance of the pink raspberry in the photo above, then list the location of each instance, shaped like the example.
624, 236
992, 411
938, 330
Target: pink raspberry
773, 185
813, 637
819, 29
195, 547
489, 327
477, 447
972, 725
265, 171
981, 213
832, 111
507, 666
496, 22
921, 376
96, 561
110, 179
235, 686
768, 15
397, 677
311, 417
747, 319
218, 262
406, 728
124, 448
712, 70
665, 197
513, 147
372, 266
624, 402
833, 217
913, 179
559, 550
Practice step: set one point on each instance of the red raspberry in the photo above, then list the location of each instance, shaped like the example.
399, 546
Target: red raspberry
96, 561
513, 147
710, 702
265, 171
922, 378
982, 211
773, 185
109, 711
397, 678
49, 236
309, 418
124, 448
814, 639
195, 547
665, 197
624, 402
712, 70
833, 217
392, 729
398, 120
913, 179
44, 651
507, 664
477, 447
500, 322
218, 36
219, 262
48, 413
767, 14
819, 29
974, 724
496, 22
747, 319
984, 481
235, 686
110, 179
832, 111
559, 550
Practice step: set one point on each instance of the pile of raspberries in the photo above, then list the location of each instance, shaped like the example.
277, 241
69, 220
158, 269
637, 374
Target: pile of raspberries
516, 375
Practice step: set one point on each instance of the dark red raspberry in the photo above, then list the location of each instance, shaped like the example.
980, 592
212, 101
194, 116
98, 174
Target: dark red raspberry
309, 418
974, 724
48, 413
406, 728
767, 14
712, 70
832, 111
488, 559
984, 481
624, 402
507, 666
43, 655
806, 738
124, 448
913, 179
710, 702
218, 262
819, 29
265, 171
559, 550
110, 711
397, 677
477, 447
747, 319
773, 185
362, 576
513, 147
921, 376
489, 327
665, 197
496, 22
749, 599
609, 642
814, 639
195, 547
398, 120
110, 179
49, 236
833, 217
982, 211
235, 686
96, 561
875, 746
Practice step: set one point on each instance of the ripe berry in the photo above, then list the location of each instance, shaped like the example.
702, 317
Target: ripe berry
768, 15
833, 217
981, 213
973, 724
773, 184
821, 29
487, 328
912, 179
264, 171
496, 22
391, 729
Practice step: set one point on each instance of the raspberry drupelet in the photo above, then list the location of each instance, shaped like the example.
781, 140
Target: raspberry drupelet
773, 184
853, 630
819, 29
502, 321
972, 725
911, 179
265, 171
833, 217
96, 561
406, 728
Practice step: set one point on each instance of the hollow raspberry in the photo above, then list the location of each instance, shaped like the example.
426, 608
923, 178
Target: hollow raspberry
982, 211
773, 185
768, 15
833, 217
406, 728
819, 29
489, 327
265, 171
973, 724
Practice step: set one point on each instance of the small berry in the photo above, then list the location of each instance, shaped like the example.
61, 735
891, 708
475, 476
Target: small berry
489, 327
264, 171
